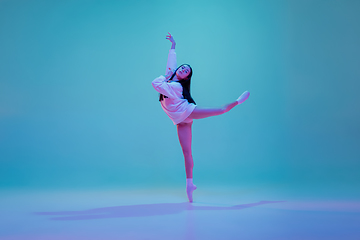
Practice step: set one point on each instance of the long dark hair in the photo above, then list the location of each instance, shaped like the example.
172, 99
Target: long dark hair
185, 83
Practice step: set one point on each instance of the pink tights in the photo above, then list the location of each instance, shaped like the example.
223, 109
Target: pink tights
185, 134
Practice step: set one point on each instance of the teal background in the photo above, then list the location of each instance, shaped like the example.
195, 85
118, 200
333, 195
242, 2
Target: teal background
77, 109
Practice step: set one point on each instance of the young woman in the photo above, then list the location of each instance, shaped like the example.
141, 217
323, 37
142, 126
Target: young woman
176, 101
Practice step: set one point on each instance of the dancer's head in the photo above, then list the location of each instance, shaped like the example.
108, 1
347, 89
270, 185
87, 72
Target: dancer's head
183, 72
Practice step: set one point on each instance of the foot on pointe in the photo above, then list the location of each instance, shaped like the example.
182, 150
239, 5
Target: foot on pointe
243, 97
189, 190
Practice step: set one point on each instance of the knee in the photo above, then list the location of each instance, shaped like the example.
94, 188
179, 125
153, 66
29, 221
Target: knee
223, 110
187, 153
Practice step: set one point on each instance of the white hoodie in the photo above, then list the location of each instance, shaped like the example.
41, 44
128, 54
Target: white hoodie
175, 106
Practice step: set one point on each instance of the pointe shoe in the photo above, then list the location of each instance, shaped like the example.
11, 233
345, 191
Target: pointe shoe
189, 191
243, 97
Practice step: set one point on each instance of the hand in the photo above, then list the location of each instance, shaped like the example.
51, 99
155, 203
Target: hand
170, 73
170, 38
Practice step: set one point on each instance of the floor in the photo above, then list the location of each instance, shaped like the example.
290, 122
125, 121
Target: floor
216, 213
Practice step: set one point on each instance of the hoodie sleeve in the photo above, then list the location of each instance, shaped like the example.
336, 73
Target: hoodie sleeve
171, 90
171, 62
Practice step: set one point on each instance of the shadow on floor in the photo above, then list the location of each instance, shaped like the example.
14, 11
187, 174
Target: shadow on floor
143, 210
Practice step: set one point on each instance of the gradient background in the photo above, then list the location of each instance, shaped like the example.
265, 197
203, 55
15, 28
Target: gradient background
77, 109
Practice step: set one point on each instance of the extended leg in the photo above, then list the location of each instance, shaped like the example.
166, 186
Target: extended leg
200, 112
185, 135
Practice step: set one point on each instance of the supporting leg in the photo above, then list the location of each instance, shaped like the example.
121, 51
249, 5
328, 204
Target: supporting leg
185, 135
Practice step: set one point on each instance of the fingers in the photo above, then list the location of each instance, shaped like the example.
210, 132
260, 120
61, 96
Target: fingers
169, 36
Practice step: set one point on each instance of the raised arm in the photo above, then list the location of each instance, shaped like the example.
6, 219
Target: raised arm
171, 62
161, 84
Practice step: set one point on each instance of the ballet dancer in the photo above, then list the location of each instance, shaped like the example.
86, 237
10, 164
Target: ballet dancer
176, 101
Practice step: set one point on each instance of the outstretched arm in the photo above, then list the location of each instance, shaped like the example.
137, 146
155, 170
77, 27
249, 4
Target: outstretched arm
173, 43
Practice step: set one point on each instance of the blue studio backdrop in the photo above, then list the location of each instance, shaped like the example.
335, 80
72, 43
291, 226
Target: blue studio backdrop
77, 109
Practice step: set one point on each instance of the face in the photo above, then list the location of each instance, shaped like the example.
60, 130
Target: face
183, 72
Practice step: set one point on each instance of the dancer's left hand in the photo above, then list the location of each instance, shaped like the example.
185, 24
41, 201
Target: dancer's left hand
170, 38
169, 74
